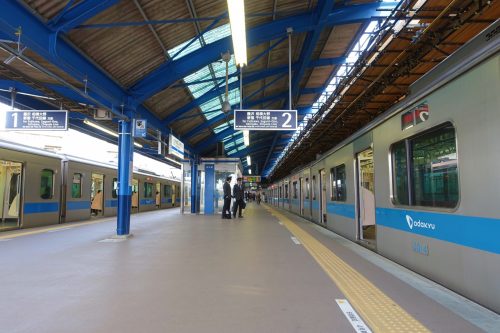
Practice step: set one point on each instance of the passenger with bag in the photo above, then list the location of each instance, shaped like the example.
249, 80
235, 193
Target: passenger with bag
239, 195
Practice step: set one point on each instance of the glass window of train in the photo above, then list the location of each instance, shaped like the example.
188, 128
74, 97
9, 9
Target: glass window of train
400, 174
148, 190
295, 190
47, 184
308, 189
167, 190
76, 186
338, 183
114, 190
434, 169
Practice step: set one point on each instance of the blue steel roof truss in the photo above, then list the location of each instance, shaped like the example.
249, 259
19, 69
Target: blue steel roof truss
45, 39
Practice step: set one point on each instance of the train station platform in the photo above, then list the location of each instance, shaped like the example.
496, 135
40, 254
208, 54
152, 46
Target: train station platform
267, 272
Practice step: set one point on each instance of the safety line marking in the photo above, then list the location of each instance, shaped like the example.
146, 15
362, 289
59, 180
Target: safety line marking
44, 230
380, 312
351, 315
60, 229
295, 240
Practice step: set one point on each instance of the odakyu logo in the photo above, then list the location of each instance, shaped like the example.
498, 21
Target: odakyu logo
419, 224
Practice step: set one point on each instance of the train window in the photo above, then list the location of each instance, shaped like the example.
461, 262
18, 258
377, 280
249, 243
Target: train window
167, 190
400, 173
286, 191
114, 191
338, 183
308, 188
434, 172
314, 187
295, 191
434, 168
148, 190
47, 184
76, 186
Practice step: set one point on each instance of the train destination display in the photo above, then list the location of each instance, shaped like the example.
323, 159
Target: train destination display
265, 120
36, 120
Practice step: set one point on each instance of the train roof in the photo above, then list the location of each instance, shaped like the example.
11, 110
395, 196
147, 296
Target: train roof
27, 149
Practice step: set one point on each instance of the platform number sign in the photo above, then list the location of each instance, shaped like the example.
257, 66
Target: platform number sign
36, 120
265, 120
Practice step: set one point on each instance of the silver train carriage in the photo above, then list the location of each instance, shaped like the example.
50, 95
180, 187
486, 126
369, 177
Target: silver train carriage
419, 185
39, 188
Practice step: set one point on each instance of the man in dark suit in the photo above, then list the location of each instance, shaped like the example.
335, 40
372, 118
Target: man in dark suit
226, 212
238, 194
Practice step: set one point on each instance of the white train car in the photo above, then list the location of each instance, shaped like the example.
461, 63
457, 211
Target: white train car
419, 184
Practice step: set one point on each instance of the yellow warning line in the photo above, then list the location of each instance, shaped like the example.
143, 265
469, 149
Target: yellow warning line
43, 230
380, 312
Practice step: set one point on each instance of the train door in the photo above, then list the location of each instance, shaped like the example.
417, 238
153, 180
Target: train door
301, 196
366, 197
158, 195
135, 195
10, 193
322, 196
97, 195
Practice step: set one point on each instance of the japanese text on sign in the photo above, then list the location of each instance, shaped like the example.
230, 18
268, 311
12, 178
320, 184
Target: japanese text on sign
284, 120
34, 120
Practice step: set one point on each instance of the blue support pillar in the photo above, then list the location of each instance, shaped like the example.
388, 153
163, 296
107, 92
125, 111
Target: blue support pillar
125, 160
210, 195
194, 183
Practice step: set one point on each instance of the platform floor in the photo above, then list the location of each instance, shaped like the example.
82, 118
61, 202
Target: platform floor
187, 273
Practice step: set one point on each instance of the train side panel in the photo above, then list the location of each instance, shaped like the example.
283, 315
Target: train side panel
40, 207
458, 246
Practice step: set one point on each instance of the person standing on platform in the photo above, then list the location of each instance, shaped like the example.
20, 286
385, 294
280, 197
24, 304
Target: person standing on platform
226, 211
239, 195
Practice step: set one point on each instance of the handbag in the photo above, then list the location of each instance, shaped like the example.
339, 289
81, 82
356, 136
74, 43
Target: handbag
243, 204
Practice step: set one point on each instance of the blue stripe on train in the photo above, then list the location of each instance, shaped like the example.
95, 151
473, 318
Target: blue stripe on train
471, 231
148, 201
41, 207
345, 210
77, 205
111, 203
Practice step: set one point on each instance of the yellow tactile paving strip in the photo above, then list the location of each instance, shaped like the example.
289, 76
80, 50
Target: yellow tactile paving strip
42, 230
379, 311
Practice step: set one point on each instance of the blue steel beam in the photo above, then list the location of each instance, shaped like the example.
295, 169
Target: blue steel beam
323, 7
214, 93
327, 62
314, 90
172, 71
80, 13
40, 38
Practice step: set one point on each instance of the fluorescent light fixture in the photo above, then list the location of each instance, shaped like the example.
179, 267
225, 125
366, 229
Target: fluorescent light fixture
105, 130
173, 161
249, 171
246, 138
238, 32
100, 128
249, 160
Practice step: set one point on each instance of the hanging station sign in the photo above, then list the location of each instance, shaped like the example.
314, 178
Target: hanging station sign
265, 120
415, 116
36, 120
175, 146
251, 179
